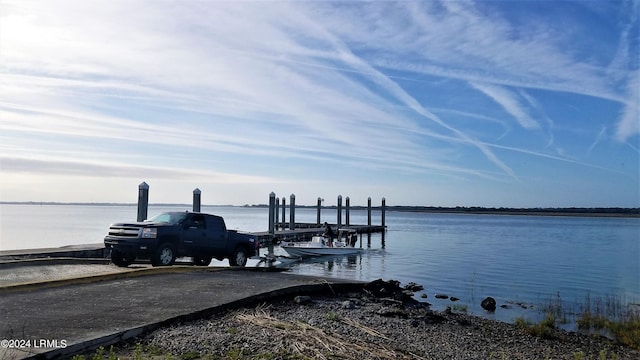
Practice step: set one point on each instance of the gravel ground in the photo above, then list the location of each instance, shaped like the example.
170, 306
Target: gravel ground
360, 326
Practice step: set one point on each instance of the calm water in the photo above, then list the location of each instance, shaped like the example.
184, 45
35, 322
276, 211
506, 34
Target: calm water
528, 259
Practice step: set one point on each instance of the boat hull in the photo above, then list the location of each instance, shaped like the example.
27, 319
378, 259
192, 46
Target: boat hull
308, 251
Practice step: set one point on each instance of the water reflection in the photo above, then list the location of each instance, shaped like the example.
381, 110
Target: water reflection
331, 264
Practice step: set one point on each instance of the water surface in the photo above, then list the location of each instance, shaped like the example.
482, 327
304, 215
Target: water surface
528, 259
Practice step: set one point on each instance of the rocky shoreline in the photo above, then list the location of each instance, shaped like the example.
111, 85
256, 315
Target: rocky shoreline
381, 322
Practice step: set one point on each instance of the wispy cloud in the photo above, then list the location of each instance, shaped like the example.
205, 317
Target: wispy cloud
51, 166
629, 124
510, 103
601, 135
443, 89
331, 113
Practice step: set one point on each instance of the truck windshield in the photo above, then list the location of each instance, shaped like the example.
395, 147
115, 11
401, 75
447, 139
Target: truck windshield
169, 218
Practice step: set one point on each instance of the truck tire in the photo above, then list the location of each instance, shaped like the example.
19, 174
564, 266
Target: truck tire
239, 257
165, 255
119, 258
202, 261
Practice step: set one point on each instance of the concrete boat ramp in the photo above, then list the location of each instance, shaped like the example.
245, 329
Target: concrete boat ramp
62, 316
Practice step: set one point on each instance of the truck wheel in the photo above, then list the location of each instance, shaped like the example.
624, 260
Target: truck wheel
239, 257
164, 256
119, 258
202, 261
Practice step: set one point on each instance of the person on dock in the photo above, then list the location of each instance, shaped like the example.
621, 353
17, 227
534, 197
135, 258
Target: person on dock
328, 233
353, 238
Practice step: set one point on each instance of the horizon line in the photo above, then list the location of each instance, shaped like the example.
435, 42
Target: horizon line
388, 207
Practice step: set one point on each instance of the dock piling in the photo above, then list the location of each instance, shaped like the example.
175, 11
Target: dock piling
339, 222
383, 210
346, 211
196, 200
318, 211
292, 213
369, 211
143, 201
277, 212
272, 213
284, 211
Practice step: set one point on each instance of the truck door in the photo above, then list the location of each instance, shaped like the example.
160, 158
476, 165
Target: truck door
194, 233
217, 231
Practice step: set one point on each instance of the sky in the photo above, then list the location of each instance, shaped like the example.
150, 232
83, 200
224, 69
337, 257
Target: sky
433, 103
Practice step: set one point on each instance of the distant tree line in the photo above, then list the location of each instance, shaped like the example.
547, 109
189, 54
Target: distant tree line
600, 211
577, 211
524, 211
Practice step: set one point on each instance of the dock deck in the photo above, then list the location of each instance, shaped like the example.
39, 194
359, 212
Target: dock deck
304, 232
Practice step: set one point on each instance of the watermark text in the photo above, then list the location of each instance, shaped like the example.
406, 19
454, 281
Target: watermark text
33, 343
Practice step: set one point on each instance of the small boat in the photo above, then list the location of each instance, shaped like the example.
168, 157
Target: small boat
319, 246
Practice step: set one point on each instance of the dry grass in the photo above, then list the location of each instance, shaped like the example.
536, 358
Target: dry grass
309, 341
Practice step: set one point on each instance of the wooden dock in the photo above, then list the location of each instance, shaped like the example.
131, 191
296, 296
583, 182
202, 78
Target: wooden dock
304, 232
279, 229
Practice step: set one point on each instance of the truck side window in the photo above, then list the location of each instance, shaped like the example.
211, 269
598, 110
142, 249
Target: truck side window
196, 222
199, 220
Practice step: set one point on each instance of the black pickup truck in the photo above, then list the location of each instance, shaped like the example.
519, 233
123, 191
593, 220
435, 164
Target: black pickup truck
169, 235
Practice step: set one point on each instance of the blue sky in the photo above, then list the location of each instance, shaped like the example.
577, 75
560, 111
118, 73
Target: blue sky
453, 103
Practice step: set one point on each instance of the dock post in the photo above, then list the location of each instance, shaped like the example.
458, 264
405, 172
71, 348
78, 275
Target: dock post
143, 201
383, 210
196, 200
273, 212
339, 222
292, 213
369, 211
384, 230
277, 213
284, 211
346, 211
318, 211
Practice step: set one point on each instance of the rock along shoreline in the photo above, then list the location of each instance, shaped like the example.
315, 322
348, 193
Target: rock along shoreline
381, 322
